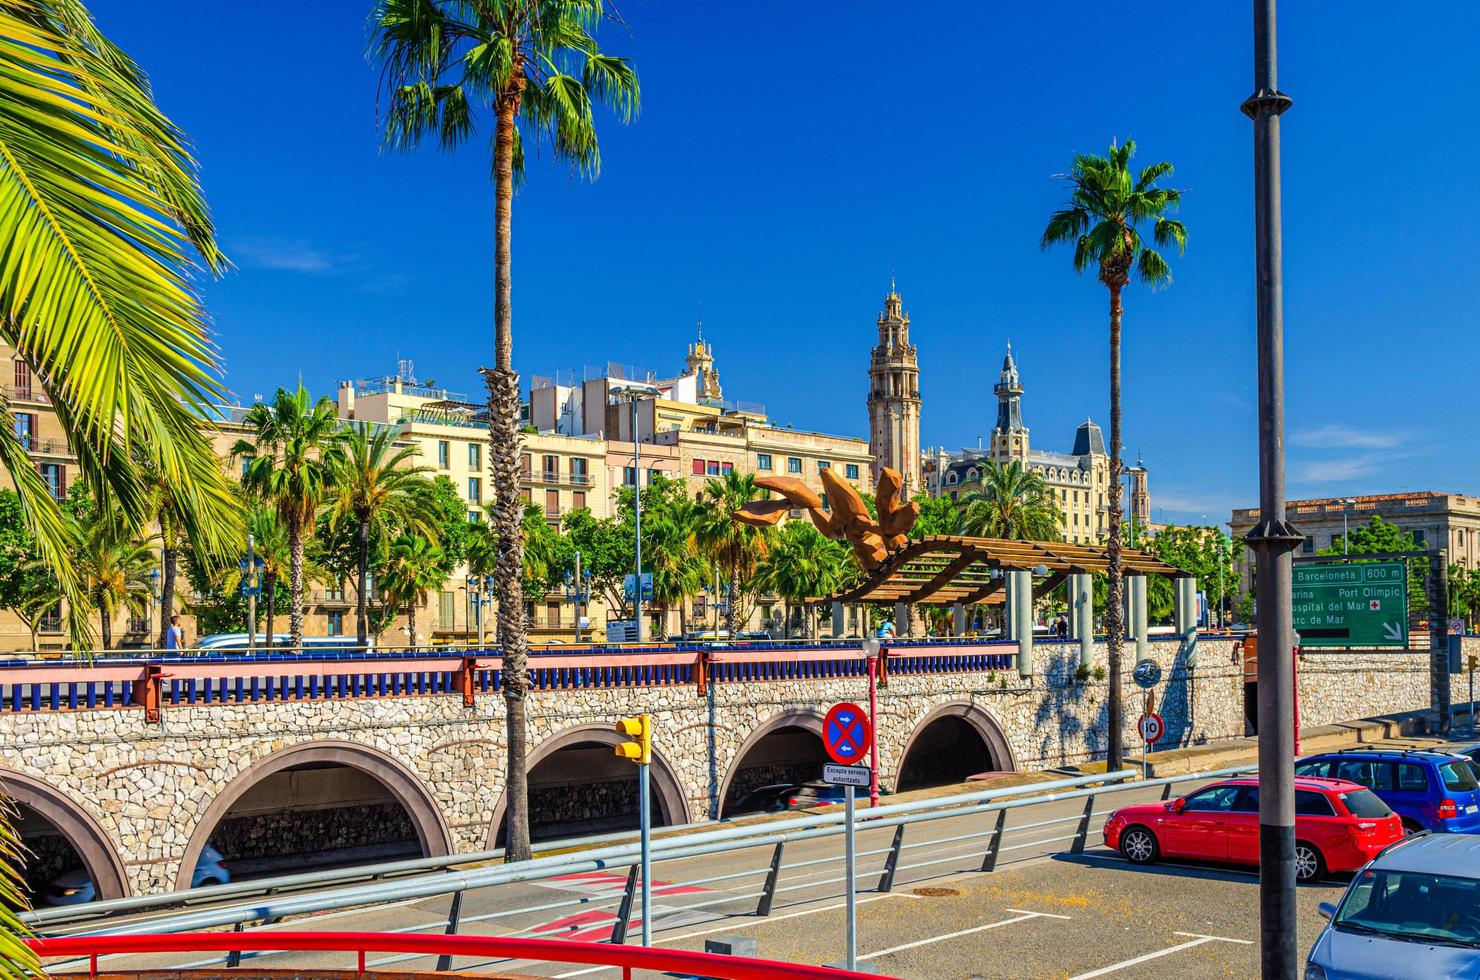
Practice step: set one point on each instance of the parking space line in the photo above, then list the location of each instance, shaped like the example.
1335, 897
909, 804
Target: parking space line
1021, 917
1197, 940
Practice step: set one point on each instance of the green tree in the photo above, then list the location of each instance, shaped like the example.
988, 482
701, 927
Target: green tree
605, 544
548, 554
670, 548
1014, 503
113, 566
801, 564
105, 227
1464, 592
27, 586
1107, 209
734, 546
286, 469
1198, 550
374, 487
414, 568
443, 62
938, 515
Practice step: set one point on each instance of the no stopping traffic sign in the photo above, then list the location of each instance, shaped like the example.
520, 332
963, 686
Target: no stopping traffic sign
845, 733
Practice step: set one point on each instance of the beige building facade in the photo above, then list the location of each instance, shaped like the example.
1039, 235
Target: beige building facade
894, 397
1450, 521
1079, 480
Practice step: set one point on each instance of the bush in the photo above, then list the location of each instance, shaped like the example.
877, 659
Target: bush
1099, 673
1082, 672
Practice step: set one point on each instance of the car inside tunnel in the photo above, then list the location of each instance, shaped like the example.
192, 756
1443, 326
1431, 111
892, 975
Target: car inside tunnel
315, 814
52, 869
787, 756
583, 788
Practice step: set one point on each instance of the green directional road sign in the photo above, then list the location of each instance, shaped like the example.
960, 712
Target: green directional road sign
1363, 604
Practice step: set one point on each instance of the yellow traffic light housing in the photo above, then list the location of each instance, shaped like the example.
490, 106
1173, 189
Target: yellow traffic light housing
639, 728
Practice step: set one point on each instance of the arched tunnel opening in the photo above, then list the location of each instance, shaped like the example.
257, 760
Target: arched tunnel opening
947, 750
788, 756
52, 870
584, 788
316, 814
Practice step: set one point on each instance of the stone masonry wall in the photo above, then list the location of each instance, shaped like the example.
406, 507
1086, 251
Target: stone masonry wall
148, 786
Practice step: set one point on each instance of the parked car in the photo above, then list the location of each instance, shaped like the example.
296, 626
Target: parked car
1413, 912
1430, 790
1339, 826
77, 888
791, 796
763, 799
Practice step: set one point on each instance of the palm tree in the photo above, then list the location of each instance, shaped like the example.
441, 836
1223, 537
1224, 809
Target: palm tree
671, 553
270, 542
105, 228
415, 567
442, 61
734, 546
287, 470
113, 568
373, 484
17, 961
801, 564
1107, 207
1014, 503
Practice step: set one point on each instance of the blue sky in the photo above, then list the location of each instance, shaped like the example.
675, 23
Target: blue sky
788, 156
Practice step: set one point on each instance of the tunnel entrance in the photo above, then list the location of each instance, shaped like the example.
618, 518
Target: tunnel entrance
583, 788
315, 814
947, 750
785, 755
48, 857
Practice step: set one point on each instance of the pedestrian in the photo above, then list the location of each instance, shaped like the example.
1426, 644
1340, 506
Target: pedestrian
1063, 627
885, 630
174, 637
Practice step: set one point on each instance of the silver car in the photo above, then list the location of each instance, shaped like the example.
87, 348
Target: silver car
1414, 911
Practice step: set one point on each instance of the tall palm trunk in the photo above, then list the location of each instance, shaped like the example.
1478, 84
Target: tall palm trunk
295, 588
411, 624
732, 601
503, 433
107, 621
169, 557
1114, 620
269, 586
362, 624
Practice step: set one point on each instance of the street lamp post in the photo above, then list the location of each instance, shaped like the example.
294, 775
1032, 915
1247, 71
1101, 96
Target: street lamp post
871, 656
1273, 538
153, 602
1346, 544
634, 393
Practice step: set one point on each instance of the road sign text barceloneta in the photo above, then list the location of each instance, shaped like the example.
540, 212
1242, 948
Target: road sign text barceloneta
1363, 604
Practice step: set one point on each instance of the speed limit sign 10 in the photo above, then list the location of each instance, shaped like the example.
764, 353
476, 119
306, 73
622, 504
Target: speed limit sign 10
1151, 728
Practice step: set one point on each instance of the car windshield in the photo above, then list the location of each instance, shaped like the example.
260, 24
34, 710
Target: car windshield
1458, 776
1364, 803
1412, 905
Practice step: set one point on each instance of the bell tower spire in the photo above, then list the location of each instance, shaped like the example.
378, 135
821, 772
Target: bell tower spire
894, 396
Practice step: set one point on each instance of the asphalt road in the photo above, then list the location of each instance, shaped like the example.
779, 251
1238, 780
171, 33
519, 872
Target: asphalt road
1041, 913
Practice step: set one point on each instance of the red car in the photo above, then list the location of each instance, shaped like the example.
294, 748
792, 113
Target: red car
1339, 826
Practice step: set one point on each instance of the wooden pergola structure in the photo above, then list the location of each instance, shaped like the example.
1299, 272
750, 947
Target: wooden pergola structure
947, 569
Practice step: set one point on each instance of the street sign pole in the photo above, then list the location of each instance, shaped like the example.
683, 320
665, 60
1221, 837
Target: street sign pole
252, 595
848, 875
646, 825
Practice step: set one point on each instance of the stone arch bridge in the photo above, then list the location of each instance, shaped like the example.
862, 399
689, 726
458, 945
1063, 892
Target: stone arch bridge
131, 769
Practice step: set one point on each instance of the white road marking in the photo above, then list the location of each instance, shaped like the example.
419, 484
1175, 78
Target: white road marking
730, 928
1197, 940
1021, 917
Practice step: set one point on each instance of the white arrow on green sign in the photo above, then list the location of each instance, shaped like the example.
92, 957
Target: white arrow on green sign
1360, 604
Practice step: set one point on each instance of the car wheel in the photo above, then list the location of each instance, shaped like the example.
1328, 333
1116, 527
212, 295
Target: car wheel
1139, 845
1309, 865
1411, 827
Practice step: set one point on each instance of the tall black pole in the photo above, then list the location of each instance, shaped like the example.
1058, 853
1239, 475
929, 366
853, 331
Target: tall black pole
1273, 539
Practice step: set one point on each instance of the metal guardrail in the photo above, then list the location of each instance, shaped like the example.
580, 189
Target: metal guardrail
771, 834
671, 962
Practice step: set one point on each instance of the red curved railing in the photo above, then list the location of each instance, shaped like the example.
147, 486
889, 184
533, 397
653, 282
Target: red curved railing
628, 958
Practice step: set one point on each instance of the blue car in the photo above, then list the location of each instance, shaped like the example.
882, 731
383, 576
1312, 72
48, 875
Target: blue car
76, 887
1434, 791
1414, 911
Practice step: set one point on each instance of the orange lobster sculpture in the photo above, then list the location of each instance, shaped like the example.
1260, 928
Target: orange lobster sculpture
872, 540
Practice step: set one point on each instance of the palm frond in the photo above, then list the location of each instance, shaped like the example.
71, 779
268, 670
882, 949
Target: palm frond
1064, 225
1153, 269
1167, 231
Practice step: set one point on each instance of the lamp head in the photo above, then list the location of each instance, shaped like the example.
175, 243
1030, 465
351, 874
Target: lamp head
871, 646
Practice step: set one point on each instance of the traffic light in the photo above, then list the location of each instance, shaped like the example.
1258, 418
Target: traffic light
640, 729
